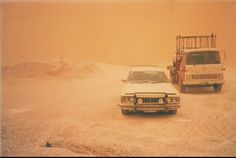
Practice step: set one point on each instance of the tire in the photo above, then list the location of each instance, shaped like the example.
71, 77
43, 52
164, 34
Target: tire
124, 112
182, 88
173, 112
175, 79
217, 87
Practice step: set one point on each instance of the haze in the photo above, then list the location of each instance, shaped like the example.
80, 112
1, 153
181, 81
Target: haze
117, 32
62, 65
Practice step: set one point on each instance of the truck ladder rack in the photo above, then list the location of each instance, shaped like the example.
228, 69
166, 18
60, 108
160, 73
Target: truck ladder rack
195, 42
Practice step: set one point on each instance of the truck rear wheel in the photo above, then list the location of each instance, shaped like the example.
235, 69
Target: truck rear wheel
217, 87
175, 79
182, 88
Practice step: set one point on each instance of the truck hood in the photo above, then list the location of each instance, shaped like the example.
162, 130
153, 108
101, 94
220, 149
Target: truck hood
148, 87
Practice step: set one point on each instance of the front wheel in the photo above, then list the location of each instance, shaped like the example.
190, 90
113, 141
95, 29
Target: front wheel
124, 112
217, 87
173, 112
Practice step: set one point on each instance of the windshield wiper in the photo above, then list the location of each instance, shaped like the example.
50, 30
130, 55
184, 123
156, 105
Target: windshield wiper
144, 81
159, 81
149, 81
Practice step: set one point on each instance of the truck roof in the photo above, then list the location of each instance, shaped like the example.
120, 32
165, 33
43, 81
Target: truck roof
146, 68
200, 50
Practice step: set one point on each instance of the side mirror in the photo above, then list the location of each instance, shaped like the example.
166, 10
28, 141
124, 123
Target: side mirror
123, 80
223, 59
224, 54
171, 68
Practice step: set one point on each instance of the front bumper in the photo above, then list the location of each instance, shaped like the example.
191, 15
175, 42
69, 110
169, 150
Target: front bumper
202, 82
150, 108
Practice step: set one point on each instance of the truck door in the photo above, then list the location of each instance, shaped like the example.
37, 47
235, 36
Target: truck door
182, 69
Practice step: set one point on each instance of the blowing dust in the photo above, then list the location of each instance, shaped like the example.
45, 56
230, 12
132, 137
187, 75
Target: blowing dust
61, 68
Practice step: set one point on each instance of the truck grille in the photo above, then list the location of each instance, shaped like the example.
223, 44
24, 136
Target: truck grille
204, 76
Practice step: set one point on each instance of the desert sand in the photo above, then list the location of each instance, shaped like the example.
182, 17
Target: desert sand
71, 110
52, 105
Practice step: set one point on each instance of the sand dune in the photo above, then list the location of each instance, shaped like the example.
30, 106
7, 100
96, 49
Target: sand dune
47, 70
81, 117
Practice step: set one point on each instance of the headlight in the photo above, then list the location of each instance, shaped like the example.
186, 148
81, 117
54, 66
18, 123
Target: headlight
131, 99
220, 76
168, 100
127, 99
161, 101
188, 77
173, 99
140, 100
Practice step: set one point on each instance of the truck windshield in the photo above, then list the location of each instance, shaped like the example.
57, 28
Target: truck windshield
206, 57
147, 76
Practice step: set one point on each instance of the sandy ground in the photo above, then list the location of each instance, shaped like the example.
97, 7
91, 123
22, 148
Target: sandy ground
77, 114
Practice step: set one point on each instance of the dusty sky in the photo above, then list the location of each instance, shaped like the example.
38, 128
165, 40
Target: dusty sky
119, 32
